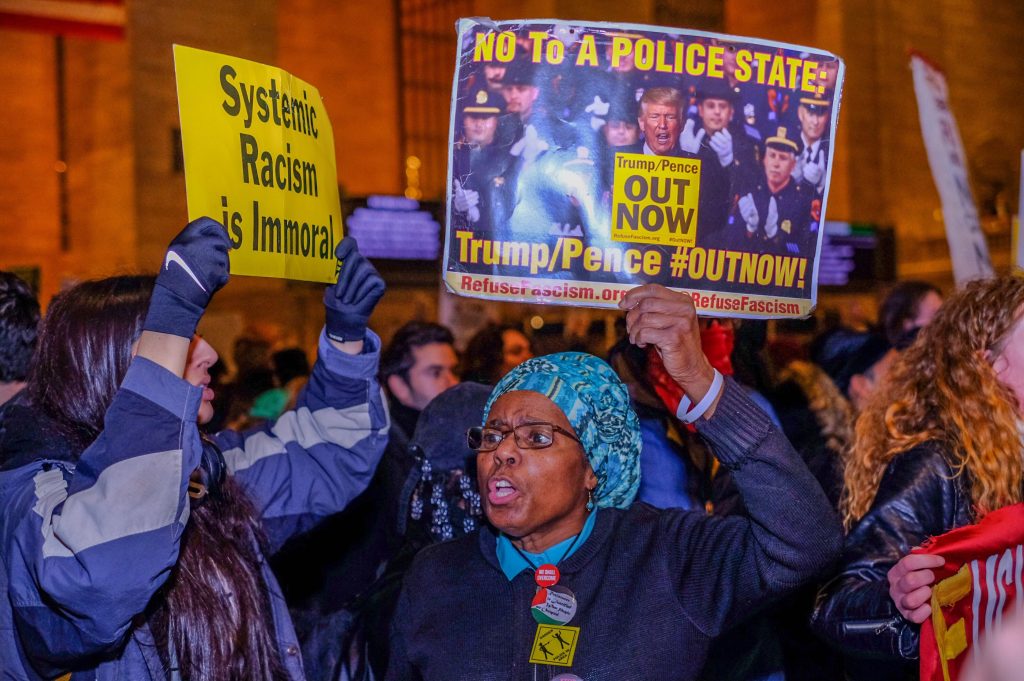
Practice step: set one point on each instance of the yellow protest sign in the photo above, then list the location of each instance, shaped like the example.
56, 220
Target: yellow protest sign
259, 157
655, 199
709, 184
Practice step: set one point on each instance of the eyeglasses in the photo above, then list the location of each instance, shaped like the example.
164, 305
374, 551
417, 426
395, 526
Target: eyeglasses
538, 435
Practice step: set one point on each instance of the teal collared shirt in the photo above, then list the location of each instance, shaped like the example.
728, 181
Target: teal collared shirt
512, 563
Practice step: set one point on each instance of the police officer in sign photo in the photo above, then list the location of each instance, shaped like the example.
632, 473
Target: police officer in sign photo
813, 114
480, 160
777, 209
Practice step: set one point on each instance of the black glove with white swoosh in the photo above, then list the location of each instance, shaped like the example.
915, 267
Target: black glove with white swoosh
194, 268
350, 302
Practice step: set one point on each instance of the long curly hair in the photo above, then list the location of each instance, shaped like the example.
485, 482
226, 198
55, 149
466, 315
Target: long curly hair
943, 388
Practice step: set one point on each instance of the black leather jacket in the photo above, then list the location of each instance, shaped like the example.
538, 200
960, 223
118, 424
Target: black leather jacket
918, 498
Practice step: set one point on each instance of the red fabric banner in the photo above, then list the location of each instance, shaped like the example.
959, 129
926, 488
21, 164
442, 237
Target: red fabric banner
977, 588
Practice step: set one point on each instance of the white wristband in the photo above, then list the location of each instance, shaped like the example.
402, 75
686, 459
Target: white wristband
687, 415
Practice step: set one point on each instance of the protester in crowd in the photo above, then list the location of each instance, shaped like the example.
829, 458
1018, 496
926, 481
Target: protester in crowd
252, 377
833, 348
909, 305
935, 449
848, 367
818, 411
679, 470
791, 339
818, 419
134, 549
291, 370
19, 319
865, 369
558, 467
327, 571
439, 501
493, 351
418, 364
749, 357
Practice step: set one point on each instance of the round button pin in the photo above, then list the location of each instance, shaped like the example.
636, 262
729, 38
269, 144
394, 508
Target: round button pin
553, 605
547, 575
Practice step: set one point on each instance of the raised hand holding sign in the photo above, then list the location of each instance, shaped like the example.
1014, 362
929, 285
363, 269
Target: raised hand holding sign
350, 302
194, 268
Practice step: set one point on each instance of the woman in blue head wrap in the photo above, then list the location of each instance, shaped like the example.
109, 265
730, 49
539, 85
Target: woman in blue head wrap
577, 449
573, 580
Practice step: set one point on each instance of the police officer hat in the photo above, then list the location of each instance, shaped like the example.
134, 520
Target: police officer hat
782, 141
520, 71
815, 105
484, 103
715, 88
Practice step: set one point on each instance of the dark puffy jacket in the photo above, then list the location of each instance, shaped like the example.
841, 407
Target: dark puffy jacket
86, 540
919, 497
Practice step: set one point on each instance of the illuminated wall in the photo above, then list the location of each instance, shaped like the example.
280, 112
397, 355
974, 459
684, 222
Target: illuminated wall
881, 173
107, 110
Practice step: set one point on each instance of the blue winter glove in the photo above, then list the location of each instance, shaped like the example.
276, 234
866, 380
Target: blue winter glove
194, 268
350, 302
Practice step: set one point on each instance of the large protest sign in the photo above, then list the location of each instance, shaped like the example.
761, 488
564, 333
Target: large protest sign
967, 246
589, 158
259, 157
977, 588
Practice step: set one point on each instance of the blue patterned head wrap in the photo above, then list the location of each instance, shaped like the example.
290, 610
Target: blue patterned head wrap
596, 403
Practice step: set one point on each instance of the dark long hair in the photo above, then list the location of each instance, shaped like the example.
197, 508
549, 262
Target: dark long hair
215, 605
215, 608
901, 305
83, 352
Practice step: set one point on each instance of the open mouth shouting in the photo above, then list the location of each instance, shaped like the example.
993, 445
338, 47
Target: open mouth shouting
501, 491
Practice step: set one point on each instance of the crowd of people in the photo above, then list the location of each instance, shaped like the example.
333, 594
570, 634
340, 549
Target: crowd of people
708, 503
536, 146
